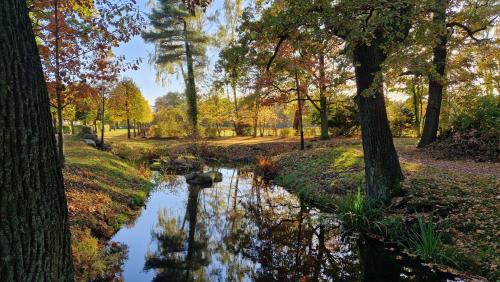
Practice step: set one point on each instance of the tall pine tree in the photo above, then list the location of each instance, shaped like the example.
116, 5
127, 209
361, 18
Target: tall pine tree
178, 42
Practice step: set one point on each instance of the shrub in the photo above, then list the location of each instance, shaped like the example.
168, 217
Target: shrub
484, 116
343, 117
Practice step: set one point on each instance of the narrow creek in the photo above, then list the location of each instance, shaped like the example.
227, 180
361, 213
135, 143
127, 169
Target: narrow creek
242, 230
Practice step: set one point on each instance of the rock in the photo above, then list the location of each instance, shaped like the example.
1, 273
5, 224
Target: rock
199, 178
203, 178
182, 165
215, 175
90, 142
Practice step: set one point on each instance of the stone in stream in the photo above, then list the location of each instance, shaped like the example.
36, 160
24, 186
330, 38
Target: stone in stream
203, 177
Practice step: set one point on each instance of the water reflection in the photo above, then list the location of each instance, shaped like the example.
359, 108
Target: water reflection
243, 230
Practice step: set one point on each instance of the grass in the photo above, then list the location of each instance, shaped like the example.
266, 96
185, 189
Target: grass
358, 212
103, 192
425, 240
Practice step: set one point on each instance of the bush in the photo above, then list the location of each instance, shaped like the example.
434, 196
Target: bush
343, 117
483, 116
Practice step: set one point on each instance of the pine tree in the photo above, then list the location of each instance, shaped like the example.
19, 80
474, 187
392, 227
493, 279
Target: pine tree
178, 42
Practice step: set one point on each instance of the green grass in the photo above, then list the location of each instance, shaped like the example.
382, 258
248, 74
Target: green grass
358, 212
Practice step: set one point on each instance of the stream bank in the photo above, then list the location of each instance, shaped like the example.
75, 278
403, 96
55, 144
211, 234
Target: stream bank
103, 192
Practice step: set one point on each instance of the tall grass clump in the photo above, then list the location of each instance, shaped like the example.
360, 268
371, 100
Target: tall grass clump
358, 212
425, 241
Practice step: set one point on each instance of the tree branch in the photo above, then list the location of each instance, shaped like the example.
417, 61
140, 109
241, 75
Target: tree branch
276, 50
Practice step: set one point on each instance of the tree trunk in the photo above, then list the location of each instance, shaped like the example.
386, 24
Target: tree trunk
299, 101
191, 86
128, 128
322, 100
72, 127
34, 227
256, 115
102, 118
135, 124
60, 133
436, 80
236, 111
382, 170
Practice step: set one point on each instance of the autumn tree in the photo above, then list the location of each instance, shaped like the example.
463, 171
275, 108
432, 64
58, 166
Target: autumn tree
126, 103
463, 19
34, 236
370, 31
71, 35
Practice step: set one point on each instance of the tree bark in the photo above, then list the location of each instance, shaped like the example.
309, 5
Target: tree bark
323, 112
34, 227
382, 169
436, 80
60, 133
191, 86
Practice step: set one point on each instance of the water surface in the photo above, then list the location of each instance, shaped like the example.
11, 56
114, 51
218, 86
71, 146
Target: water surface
243, 230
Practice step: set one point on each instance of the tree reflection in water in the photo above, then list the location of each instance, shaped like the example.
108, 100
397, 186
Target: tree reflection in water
179, 257
244, 230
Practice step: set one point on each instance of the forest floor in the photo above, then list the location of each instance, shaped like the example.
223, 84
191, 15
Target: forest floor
461, 195
103, 193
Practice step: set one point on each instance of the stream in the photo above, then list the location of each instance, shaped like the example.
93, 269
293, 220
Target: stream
243, 230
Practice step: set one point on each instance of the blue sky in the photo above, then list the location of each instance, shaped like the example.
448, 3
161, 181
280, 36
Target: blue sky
145, 77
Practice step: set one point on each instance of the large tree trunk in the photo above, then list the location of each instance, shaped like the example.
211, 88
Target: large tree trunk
436, 80
323, 112
191, 86
382, 170
34, 228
